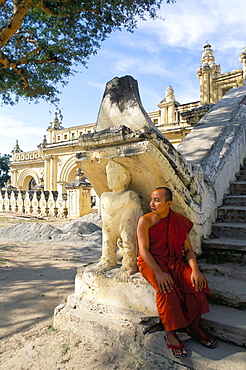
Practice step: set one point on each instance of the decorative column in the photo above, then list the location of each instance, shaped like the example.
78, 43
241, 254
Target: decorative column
79, 196
53, 173
15, 150
14, 177
47, 173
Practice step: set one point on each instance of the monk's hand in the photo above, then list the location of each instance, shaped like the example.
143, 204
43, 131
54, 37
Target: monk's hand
165, 282
198, 281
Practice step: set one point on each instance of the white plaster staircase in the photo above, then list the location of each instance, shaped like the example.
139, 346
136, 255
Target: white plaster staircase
224, 265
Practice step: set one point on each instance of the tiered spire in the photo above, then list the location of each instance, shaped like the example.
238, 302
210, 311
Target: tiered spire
208, 62
55, 124
16, 148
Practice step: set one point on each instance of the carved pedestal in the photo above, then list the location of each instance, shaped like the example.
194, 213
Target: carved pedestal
105, 308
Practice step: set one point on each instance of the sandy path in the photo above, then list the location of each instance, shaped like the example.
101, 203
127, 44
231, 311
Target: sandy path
34, 279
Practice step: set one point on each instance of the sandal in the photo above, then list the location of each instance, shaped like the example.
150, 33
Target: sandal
204, 339
180, 347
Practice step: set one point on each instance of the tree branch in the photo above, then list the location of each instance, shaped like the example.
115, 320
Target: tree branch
2, 2
4, 60
45, 61
24, 60
20, 73
15, 21
41, 5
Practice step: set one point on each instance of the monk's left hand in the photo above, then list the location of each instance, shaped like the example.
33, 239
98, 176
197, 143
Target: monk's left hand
198, 280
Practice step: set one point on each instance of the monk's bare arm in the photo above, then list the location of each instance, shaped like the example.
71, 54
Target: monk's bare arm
164, 280
197, 278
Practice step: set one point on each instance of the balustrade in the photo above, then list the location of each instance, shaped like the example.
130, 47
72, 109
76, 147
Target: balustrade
36, 203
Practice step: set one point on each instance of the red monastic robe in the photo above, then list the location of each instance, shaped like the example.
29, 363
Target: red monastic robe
180, 307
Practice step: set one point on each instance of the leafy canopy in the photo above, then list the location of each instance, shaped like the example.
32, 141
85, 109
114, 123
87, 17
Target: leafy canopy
4, 169
42, 40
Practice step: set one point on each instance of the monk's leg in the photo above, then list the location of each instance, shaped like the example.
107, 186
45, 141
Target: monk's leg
169, 306
196, 332
196, 304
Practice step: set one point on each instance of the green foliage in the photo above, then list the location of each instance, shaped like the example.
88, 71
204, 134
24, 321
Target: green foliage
65, 349
51, 329
54, 37
4, 169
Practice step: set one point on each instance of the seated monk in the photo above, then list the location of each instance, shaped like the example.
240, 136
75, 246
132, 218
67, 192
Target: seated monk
166, 260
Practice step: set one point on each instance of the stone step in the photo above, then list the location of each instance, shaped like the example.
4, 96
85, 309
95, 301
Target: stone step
226, 323
241, 176
235, 200
225, 356
227, 291
243, 165
225, 244
238, 188
228, 269
229, 230
242, 169
230, 213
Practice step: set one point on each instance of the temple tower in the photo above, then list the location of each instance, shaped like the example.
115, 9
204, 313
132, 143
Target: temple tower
167, 106
54, 126
206, 72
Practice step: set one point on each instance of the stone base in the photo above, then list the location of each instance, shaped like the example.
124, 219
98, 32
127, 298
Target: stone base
109, 311
135, 294
103, 304
101, 322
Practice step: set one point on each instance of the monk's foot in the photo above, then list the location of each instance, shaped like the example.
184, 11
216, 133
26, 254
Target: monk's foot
201, 337
174, 345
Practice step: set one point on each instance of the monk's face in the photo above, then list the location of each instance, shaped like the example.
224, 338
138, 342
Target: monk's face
158, 203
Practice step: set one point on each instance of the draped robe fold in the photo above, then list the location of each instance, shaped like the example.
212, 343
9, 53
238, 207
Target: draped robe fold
180, 307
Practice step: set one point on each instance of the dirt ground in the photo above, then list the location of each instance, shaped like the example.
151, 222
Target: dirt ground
34, 278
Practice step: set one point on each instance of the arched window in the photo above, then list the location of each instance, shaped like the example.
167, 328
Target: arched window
32, 184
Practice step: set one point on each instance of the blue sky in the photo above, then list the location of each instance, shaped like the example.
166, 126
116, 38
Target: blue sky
159, 53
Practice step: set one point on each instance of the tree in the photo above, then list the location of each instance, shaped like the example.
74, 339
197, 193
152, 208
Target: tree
4, 169
41, 41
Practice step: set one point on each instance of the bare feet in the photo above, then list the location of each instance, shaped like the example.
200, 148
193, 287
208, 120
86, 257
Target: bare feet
175, 346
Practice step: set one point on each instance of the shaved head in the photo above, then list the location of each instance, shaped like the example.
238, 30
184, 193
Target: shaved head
167, 193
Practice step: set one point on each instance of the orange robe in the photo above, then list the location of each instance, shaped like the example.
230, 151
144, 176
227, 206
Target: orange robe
180, 307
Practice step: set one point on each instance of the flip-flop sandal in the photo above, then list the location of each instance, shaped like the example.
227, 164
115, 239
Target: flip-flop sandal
181, 347
206, 338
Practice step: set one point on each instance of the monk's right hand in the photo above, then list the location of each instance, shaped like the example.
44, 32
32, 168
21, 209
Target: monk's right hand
165, 282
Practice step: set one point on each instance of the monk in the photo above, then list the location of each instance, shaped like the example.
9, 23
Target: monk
166, 260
